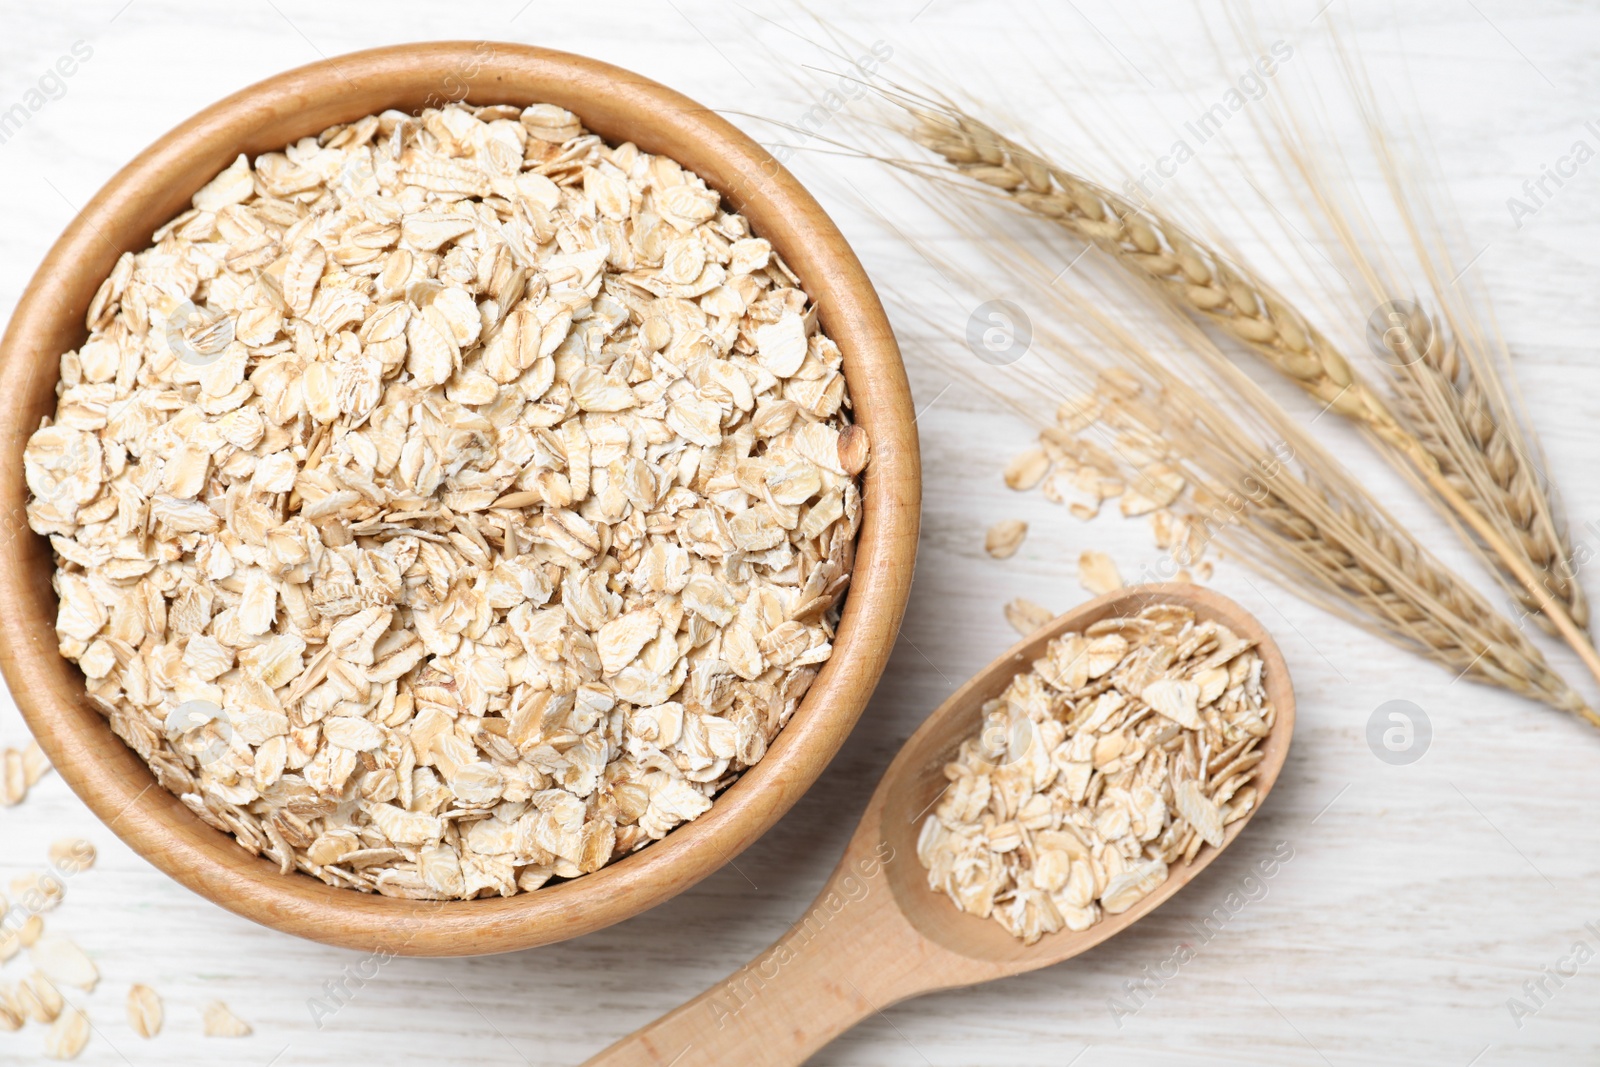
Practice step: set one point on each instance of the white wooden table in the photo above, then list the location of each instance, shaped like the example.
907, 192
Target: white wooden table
1419, 899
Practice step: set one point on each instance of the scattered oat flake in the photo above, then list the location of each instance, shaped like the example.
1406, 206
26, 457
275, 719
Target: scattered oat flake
220, 1022
38, 891
72, 854
1098, 573
144, 1010
11, 1016
1167, 528
35, 764
13, 778
1155, 486
1078, 413
1027, 469
1025, 616
1004, 538
38, 998
62, 961
68, 1035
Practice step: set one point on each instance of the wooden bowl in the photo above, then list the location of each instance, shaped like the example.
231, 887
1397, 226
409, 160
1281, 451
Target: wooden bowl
620, 106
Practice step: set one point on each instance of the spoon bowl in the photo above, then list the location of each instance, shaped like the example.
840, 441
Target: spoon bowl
876, 934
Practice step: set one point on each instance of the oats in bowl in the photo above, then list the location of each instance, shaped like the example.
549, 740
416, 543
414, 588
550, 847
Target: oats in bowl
449, 502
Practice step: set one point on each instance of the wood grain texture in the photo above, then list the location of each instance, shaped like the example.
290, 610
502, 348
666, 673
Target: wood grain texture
875, 935
1419, 900
618, 105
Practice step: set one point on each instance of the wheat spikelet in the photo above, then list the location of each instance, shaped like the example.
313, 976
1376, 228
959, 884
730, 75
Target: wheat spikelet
1203, 282
1359, 564
1265, 484
1476, 443
1190, 273
1304, 519
1447, 362
1317, 526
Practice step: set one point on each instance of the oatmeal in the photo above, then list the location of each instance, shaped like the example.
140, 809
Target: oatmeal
449, 503
1125, 749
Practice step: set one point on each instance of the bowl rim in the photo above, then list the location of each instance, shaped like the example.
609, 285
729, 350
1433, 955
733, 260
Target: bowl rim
619, 105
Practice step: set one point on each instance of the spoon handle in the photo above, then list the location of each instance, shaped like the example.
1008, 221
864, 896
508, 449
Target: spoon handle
851, 954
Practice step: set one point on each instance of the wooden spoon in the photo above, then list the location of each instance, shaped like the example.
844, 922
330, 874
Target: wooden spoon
876, 934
